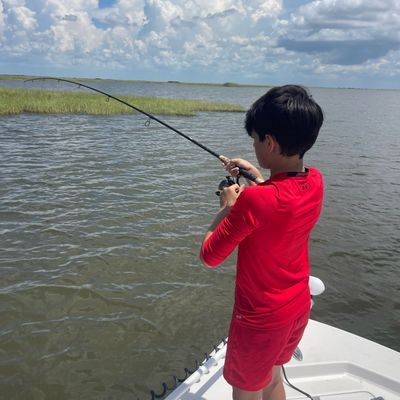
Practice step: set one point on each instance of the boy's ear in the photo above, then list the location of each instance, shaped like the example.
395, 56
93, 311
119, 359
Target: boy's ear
274, 146
271, 144
267, 142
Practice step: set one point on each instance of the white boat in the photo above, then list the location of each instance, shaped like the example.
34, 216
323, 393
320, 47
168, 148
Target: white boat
335, 365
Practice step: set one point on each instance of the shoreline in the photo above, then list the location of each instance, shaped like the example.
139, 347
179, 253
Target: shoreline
174, 82
11, 77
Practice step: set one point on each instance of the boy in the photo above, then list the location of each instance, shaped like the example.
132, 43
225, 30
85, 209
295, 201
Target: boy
271, 223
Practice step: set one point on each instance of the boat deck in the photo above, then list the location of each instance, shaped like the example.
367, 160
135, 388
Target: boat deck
336, 365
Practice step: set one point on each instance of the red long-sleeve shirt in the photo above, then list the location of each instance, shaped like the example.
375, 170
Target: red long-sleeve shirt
271, 223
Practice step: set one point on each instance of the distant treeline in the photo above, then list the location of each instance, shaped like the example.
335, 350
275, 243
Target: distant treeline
226, 84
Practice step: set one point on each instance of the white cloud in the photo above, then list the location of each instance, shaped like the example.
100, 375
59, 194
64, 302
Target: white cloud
123, 13
388, 65
13, 3
58, 8
264, 9
18, 15
236, 39
345, 32
24, 17
79, 35
2, 21
176, 33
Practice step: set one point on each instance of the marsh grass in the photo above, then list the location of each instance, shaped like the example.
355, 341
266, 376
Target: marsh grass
16, 101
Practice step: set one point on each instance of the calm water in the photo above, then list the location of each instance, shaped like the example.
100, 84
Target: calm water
102, 295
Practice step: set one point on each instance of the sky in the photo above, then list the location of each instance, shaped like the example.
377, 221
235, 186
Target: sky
329, 43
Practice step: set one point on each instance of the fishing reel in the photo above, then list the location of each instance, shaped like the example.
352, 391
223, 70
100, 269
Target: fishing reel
228, 181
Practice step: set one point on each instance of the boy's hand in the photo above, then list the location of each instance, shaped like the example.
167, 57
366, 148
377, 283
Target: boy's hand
233, 167
229, 195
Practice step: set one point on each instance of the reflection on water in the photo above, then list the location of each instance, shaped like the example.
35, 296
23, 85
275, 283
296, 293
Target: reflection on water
101, 218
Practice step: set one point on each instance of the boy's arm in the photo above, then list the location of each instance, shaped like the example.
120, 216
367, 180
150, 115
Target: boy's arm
222, 213
228, 198
233, 167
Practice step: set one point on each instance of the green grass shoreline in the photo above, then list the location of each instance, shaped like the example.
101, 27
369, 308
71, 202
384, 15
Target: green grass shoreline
17, 101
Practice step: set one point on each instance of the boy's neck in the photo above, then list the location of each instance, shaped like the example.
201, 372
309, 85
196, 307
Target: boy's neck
287, 164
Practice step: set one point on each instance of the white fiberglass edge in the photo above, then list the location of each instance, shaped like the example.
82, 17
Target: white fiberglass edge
205, 369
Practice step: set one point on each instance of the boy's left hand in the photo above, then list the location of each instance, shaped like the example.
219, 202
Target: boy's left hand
229, 195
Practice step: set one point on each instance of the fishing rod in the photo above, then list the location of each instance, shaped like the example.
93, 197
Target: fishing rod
220, 157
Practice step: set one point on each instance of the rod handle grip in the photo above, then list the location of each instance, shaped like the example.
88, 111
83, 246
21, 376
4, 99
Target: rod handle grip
247, 175
242, 171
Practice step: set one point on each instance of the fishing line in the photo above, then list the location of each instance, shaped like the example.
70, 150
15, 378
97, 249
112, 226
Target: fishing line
222, 158
295, 387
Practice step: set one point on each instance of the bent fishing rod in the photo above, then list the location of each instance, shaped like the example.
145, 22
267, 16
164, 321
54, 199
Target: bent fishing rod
223, 159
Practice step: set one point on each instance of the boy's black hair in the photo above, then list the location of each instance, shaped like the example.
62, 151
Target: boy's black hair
290, 115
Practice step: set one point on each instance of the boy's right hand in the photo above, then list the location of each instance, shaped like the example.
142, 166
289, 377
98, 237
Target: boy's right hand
229, 195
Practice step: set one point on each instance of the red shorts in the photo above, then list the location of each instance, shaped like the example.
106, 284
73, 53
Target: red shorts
253, 351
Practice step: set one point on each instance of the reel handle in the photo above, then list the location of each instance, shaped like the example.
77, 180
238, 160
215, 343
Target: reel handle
228, 181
